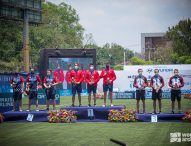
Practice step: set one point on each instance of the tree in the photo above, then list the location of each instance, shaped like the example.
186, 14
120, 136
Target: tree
60, 28
181, 37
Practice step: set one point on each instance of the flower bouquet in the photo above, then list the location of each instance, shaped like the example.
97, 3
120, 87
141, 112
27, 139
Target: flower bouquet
187, 117
62, 116
123, 115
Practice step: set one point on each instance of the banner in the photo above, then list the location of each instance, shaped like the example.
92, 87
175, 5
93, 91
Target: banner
125, 78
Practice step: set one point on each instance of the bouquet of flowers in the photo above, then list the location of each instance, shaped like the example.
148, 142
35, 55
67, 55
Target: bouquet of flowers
1, 118
62, 116
187, 117
187, 96
123, 115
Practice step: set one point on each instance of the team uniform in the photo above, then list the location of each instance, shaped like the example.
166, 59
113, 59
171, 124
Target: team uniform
17, 81
50, 92
108, 75
76, 75
176, 92
92, 76
140, 81
157, 82
33, 81
68, 79
59, 75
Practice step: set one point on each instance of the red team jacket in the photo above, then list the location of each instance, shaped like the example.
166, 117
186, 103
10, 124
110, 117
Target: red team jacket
67, 77
59, 75
157, 81
78, 76
94, 75
110, 74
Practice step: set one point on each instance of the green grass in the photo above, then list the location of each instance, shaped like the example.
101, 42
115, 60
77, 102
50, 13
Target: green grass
94, 134
129, 103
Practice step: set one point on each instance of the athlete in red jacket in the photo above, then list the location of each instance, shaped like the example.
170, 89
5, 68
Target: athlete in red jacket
108, 76
77, 77
92, 78
59, 74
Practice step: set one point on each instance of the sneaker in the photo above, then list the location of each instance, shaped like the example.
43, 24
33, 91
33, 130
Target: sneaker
89, 105
154, 112
20, 110
103, 105
111, 104
94, 104
28, 110
80, 104
47, 109
172, 112
160, 112
37, 110
72, 105
13, 110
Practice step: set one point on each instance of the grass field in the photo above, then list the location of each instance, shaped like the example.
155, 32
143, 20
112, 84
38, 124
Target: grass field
94, 134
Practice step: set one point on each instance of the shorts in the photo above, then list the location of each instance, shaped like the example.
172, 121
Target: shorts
91, 88
140, 94
175, 94
76, 88
107, 87
50, 93
156, 95
17, 96
33, 95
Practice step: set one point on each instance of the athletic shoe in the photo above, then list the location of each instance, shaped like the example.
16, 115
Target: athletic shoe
103, 105
28, 110
89, 105
20, 110
111, 104
37, 110
72, 105
80, 105
153, 112
94, 104
172, 112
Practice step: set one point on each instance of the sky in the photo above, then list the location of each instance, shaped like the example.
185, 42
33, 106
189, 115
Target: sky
123, 21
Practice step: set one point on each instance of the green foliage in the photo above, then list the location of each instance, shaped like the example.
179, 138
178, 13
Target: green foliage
118, 67
60, 28
180, 36
137, 61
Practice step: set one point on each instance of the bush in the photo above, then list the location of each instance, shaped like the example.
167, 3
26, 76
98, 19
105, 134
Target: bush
118, 67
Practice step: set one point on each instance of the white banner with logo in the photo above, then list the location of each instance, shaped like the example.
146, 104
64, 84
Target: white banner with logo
125, 78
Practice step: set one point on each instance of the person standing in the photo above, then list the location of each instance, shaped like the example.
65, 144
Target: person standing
49, 84
157, 82
17, 83
109, 77
92, 78
76, 77
67, 77
176, 82
140, 83
32, 82
59, 75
